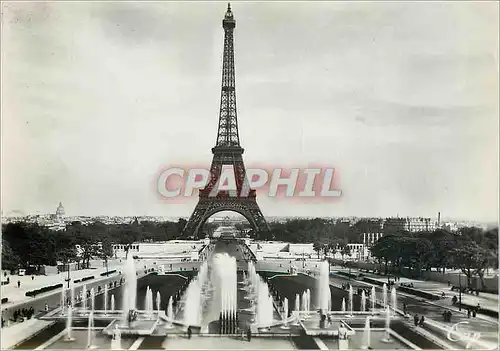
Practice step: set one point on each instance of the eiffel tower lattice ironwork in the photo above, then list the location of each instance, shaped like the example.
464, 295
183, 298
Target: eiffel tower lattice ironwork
227, 152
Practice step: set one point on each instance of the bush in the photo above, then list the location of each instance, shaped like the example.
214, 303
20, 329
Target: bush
87, 278
44, 289
4, 300
108, 273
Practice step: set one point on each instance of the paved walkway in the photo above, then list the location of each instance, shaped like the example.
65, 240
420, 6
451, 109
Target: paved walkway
432, 310
486, 300
18, 295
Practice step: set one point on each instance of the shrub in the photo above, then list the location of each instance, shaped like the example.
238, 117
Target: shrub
44, 289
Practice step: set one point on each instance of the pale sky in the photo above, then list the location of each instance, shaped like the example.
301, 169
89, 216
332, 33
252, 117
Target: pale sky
401, 98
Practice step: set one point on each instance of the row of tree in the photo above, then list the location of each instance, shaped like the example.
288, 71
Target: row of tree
472, 250
31, 245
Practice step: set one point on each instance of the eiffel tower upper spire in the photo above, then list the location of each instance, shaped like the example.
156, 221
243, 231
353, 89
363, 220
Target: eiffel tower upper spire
227, 135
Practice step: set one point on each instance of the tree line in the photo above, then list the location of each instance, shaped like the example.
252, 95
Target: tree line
27, 245
470, 249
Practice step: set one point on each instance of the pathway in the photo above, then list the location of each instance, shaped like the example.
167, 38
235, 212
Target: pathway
486, 300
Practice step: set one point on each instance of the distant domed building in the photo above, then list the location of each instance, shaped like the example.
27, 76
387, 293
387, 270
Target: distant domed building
60, 210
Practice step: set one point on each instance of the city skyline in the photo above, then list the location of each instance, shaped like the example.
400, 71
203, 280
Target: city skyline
402, 99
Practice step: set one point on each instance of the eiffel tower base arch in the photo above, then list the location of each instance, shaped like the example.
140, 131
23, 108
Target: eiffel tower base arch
205, 208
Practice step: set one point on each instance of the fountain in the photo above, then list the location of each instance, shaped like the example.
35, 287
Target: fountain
384, 295
84, 297
72, 294
394, 300
130, 291
195, 297
69, 323
323, 287
92, 300
158, 301
116, 341
105, 299
373, 298
308, 299
112, 302
226, 281
363, 301
170, 313
297, 309
366, 334
148, 302
63, 299
351, 301
265, 306
304, 305
342, 308
192, 307
285, 314
387, 336
90, 332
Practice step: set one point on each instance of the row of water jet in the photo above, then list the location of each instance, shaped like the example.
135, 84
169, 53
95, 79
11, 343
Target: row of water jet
323, 287
193, 298
372, 299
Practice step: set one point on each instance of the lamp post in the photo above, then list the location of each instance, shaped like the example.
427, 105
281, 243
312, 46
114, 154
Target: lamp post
69, 278
460, 291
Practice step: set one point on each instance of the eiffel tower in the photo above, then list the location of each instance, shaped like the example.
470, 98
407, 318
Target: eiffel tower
227, 152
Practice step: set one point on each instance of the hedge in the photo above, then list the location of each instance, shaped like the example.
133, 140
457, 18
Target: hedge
419, 293
84, 279
44, 289
345, 274
108, 273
